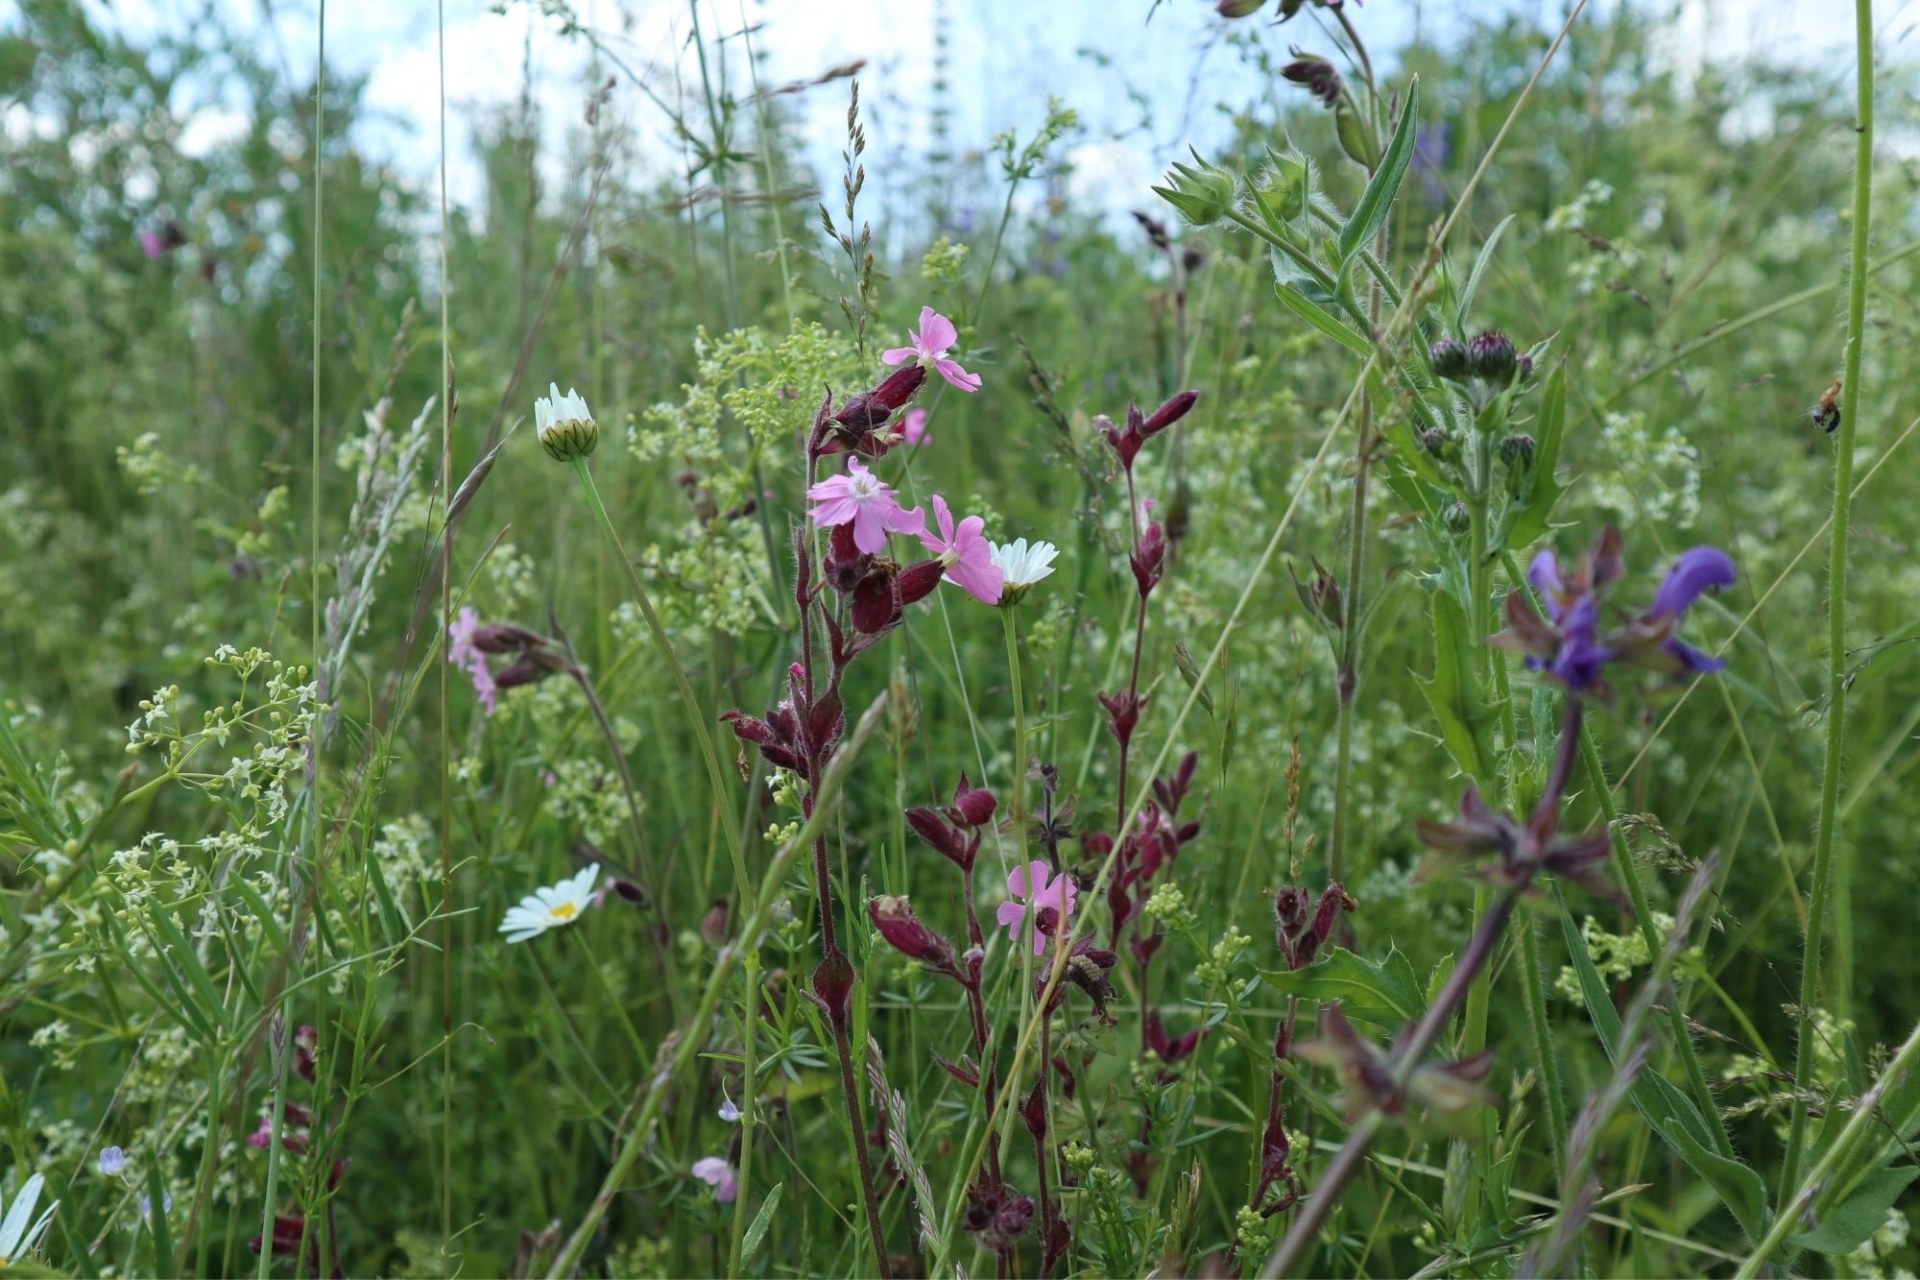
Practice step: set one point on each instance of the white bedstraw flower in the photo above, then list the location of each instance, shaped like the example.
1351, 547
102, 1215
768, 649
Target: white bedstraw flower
1023, 565
566, 426
551, 907
20, 1231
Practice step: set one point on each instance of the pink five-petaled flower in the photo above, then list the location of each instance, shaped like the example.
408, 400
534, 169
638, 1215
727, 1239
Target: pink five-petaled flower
1048, 897
930, 343
719, 1175
865, 501
966, 553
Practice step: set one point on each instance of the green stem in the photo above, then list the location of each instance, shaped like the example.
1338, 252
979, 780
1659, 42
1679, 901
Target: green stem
1825, 872
1866, 1118
697, 717
613, 999
688, 1046
749, 1093
1629, 874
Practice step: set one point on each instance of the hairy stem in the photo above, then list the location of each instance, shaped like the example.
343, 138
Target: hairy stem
1831, 869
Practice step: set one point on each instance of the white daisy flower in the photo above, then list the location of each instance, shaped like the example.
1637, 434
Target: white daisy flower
565, 425
1023, 565
20, 1231
551, 907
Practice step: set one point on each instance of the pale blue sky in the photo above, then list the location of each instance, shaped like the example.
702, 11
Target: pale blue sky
1106, 59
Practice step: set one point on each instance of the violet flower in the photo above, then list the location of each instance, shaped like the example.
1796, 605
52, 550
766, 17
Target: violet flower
1568, 645
929, 347
1047, 897
965, 553
865, 501
719, 1175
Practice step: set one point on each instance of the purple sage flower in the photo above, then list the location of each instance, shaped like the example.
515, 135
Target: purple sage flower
1568, 645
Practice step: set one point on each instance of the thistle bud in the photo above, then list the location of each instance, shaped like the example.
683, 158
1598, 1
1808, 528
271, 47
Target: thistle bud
1517, 452
1436, 442
1458, 518
564, 424
1449, 359
1491, 357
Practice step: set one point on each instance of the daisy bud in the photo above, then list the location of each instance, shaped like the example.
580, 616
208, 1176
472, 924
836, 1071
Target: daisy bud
1491, 357
565, 426
1449, 359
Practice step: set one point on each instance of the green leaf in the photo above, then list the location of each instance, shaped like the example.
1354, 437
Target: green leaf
1384, 993
1653, 1095
1528, 522
1844, 1227
1453, 693
1737, 1185
1480, 265
757, 1229
1317, 316
1376, 202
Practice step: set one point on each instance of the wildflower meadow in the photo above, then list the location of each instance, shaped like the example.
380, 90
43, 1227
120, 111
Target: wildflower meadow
693, 665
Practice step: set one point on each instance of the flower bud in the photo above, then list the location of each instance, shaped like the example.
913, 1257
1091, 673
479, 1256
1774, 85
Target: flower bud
564, 424
1517, 452
1491, 357
1449, 359
1436, 441
1202, 193
1355, 134
1316, 75
903, 931
1286, 185
1458, 518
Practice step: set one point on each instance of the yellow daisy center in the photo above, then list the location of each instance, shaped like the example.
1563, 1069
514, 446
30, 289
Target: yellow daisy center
563, 911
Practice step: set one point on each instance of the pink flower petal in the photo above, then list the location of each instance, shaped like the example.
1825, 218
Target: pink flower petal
895, 355
936, 332
956, 376
1010, 914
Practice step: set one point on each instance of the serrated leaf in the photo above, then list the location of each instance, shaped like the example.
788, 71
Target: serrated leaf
1737, 1185
1376, 202
1453, 693
1844, 1227
1322, 319
1385, 993
757, 1229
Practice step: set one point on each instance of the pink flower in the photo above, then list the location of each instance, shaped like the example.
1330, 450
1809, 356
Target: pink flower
867, 502
966, 553
151, 244
1049, 896
930, 344
719, 1175
914, 428
462, 653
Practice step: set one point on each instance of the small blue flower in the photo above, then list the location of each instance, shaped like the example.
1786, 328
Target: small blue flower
729, 1112
146, 1205
113, 1161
